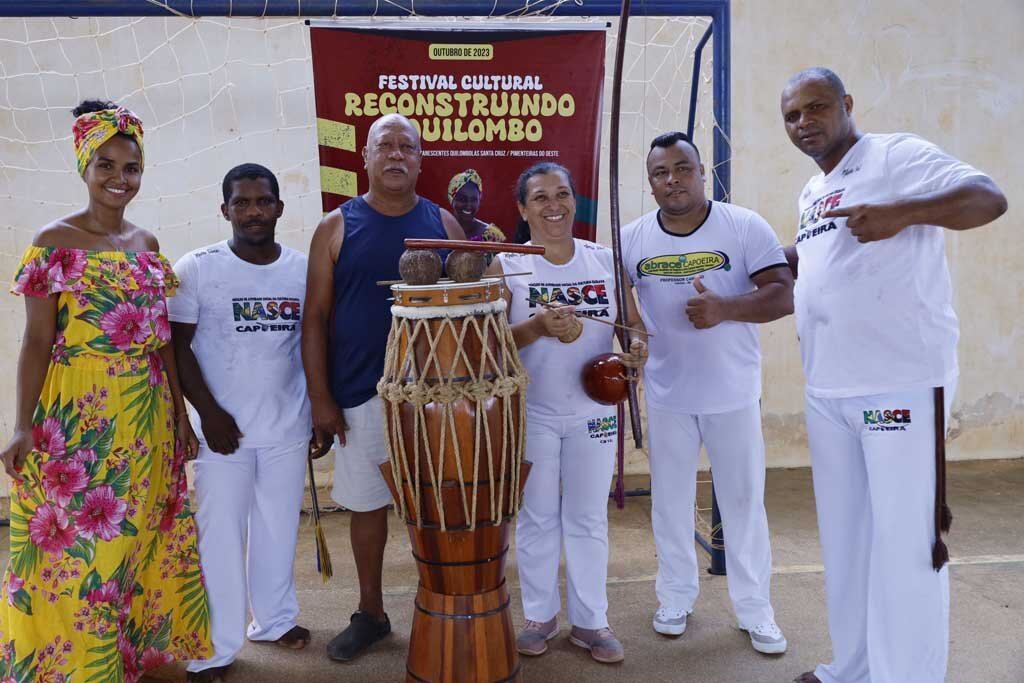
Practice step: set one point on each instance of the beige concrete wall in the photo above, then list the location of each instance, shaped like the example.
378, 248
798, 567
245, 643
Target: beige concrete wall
937, 69
945, 70
948, 71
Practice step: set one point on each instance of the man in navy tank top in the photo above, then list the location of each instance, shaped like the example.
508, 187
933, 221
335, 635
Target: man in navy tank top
344, 334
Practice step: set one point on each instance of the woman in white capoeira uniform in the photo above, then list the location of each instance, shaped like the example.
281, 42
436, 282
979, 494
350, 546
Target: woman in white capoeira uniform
571, 439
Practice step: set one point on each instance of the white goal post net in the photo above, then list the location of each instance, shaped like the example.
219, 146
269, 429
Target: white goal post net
217, 91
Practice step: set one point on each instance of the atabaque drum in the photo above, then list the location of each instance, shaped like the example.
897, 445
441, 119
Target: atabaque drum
454, 395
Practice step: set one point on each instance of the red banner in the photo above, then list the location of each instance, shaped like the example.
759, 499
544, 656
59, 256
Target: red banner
495, 101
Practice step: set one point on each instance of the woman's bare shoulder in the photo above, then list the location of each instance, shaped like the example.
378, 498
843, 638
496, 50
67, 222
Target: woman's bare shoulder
60, 233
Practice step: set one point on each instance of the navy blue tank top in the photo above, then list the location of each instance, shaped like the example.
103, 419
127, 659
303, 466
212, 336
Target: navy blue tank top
361, 320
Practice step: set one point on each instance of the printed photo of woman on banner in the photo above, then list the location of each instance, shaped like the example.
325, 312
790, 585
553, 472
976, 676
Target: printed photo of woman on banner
465, 192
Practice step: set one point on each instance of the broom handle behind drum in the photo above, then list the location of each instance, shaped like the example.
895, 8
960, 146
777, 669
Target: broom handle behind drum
469, 245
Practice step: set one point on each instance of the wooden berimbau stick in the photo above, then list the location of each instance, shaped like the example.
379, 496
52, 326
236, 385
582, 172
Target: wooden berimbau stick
471, 245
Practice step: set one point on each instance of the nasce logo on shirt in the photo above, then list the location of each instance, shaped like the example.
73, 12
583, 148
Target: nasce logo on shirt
262, 313
590, 298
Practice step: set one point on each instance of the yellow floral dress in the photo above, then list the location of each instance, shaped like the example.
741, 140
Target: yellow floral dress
104, 581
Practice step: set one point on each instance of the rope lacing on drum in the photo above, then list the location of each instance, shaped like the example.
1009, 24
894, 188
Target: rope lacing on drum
412, 378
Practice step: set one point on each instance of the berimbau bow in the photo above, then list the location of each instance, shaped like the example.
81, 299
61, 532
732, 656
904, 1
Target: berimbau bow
616, 225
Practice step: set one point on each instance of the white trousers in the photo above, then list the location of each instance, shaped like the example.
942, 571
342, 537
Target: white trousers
735, 447
254, 495
874, 486
566, 502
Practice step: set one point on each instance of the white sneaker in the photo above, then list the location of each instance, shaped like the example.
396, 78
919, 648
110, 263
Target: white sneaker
670, 622
767, 638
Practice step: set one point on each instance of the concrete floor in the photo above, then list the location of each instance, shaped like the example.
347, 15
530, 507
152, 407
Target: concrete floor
987, 625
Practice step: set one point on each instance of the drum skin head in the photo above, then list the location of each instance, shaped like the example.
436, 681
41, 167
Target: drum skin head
448, 293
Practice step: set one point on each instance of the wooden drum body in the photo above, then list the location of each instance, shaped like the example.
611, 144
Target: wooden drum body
455, 408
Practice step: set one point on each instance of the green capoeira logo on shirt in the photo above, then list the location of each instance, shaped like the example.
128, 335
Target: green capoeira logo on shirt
684, 265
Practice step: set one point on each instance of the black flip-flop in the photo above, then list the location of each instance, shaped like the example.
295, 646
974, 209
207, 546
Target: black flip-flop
211, 675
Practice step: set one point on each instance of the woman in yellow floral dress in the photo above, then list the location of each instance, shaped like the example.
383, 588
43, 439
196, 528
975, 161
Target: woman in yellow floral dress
104, 581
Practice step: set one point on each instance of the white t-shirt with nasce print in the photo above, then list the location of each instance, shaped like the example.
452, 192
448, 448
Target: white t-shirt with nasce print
693, 371
248, 320
587, 282
876, 317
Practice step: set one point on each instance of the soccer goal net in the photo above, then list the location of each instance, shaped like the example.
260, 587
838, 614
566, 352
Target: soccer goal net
221, 82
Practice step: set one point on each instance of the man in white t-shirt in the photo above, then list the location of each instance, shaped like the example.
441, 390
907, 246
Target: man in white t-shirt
878, 339
236, 325
706, 272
